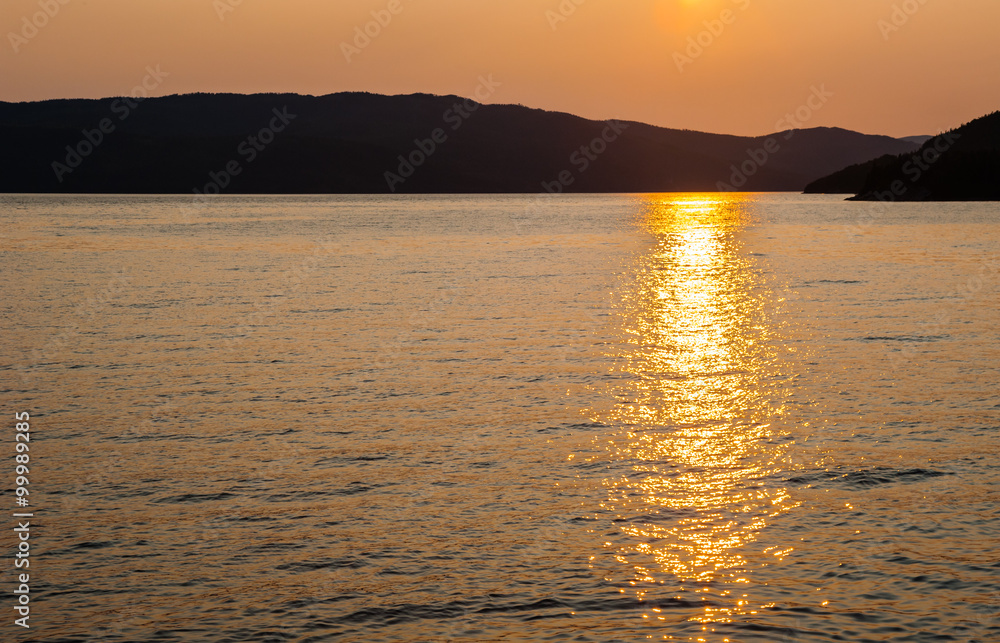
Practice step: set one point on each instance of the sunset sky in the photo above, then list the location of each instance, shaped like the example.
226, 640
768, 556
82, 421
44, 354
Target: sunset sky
890, 72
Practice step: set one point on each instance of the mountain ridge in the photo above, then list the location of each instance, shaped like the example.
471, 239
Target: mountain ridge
355, 142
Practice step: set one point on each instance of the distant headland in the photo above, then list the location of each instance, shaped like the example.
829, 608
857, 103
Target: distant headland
960, 165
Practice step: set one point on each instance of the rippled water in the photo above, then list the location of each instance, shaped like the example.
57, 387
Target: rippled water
687, 417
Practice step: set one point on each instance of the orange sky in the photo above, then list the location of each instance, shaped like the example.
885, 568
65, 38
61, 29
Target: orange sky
607, 59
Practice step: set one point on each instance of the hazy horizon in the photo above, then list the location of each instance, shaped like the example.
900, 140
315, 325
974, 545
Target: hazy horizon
898, 68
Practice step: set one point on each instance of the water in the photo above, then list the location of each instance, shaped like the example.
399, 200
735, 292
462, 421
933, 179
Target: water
598, 418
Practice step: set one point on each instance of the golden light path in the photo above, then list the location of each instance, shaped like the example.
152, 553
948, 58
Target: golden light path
698, 394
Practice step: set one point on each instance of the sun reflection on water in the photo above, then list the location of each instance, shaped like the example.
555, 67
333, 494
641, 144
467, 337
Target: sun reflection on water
697, 400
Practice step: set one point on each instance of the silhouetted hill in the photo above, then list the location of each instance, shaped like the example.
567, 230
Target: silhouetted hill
353, 143
918, 140
960, 165
851, 179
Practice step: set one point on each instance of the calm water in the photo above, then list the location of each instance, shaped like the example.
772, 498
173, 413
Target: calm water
600, 418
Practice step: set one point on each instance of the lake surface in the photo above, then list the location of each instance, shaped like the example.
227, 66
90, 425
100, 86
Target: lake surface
681, 417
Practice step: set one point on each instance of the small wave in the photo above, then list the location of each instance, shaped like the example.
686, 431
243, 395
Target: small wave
343, 460
351, 489
581, 426
101, 544
333, 563
903, 338
869, 477
532, 610
194, 498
